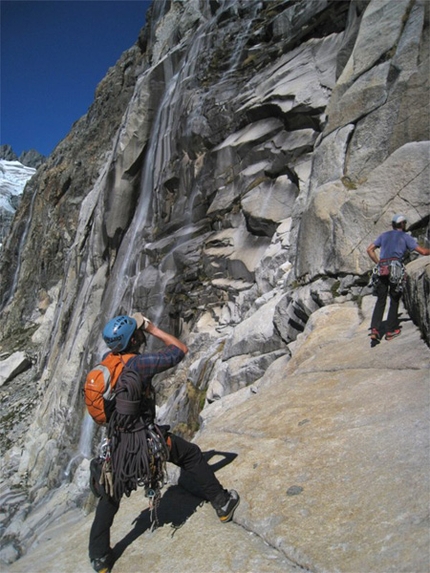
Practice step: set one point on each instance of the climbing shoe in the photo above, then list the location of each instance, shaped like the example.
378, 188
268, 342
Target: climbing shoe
103, 564
226, 506
391, 335
374, 334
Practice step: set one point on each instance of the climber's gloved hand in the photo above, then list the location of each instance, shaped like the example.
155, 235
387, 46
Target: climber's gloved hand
106, 478
142, 321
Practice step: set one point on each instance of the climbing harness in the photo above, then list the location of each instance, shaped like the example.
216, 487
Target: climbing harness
392, 268
374, 281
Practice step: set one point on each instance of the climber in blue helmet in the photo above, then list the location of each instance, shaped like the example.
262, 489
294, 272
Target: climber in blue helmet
125, 335
388, 278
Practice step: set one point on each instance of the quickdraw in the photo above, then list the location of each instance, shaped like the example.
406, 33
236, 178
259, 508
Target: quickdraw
158, 455
154, 496
105, 449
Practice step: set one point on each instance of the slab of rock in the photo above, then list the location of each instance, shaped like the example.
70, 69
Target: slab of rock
268, 204
233, 253
334, 448
330, 454
201, 545
369, 48
13, 365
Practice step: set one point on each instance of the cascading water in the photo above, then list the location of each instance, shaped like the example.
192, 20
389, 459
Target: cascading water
130, 261
85, 442
158, 157
133, 238
123, 264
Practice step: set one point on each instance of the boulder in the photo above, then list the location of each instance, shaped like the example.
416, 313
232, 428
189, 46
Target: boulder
255, 335
12, 366
268, 204
229, 376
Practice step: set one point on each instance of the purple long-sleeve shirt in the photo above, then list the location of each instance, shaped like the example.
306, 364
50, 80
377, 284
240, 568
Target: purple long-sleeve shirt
395, 244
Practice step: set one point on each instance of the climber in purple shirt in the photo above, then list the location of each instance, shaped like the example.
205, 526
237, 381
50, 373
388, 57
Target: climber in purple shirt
393, 247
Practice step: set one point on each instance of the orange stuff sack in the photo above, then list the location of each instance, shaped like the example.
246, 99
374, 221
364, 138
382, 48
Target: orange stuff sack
100, 382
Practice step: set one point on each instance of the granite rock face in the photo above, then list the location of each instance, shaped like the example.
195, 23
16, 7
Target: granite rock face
416, 295
233, 168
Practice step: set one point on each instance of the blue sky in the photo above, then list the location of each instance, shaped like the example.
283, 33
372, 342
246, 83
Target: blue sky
53, 55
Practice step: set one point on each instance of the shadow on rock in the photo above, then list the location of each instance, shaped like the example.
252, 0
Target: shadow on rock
177, 504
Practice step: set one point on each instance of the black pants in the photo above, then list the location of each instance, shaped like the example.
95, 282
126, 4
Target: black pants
383, 289
183, 454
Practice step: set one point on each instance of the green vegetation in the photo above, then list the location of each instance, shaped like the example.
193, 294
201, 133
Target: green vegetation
335, 289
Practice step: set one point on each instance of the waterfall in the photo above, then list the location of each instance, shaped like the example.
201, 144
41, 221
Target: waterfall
158, 156
240, 40
87, 432
85, 441
130, 262
151, 169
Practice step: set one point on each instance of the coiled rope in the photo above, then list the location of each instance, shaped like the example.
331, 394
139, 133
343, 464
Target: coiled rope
138, 451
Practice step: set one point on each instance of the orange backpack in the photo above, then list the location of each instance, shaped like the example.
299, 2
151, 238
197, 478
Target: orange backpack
100, 383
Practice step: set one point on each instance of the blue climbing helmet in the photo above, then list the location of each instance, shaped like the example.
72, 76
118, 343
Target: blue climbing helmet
118, 331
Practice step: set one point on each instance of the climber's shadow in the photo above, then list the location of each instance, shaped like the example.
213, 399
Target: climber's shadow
177, 504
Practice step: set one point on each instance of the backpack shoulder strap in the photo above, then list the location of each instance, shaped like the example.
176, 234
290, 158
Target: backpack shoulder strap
115, 364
